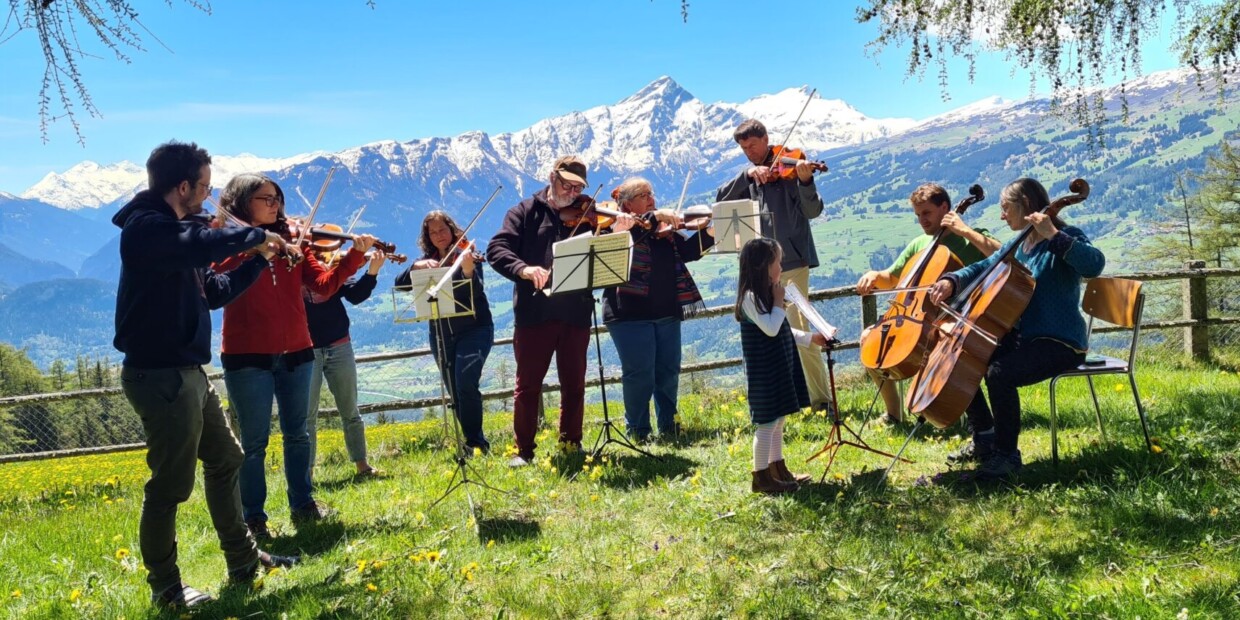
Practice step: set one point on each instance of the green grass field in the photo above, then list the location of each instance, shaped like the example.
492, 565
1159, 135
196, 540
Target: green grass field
1115, 531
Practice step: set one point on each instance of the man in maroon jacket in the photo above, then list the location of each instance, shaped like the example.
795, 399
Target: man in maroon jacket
545, 325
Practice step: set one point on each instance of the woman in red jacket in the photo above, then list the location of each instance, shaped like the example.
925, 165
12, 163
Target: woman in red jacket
267, 352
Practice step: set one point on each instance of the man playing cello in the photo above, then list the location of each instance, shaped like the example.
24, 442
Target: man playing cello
932, 206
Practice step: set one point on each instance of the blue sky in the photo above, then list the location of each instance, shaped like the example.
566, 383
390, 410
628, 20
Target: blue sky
280, 78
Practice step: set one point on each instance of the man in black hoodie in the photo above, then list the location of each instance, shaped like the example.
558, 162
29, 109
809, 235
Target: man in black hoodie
163, 326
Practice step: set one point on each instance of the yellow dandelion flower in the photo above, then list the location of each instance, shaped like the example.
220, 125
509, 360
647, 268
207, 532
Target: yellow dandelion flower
75, 595
838, 476
477, 451
491, 543
1156, 449
533, 496
1214, 512
370, 587
122, 553
377, 564
361, 565
432, 556
117, 538
552, 494
589, 459
594, 498
16, 593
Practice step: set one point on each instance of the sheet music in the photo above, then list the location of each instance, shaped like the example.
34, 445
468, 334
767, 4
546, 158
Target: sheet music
421, 281
819, 324
737, 222
613, 255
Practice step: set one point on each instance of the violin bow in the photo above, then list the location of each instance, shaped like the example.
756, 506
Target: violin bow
227, 216
348, 231
684, 189
784, 145
472, 221
305, 229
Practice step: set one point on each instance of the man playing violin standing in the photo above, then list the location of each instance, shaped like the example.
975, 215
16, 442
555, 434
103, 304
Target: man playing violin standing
163, 326
545, 325
791, 204
933, 208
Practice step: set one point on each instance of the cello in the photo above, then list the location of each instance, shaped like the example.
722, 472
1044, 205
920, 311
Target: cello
896, 345
982, 315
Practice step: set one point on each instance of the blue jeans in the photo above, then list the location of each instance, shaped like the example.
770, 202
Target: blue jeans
338, 364
465, 352
650, 357
250, 391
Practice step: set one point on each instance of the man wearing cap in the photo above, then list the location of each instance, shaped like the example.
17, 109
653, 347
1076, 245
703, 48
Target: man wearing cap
545, 325
788, 206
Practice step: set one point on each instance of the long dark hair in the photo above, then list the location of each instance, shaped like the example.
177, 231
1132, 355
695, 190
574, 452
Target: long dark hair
236, 196
1031, 197
756, 259
424, 240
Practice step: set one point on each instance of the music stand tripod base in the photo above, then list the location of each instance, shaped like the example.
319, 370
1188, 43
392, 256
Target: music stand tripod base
836, 438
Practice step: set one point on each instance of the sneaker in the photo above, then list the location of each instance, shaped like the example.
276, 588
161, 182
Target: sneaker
268, 561
975, 450
258, 529
999, 466
181, 596
313, 511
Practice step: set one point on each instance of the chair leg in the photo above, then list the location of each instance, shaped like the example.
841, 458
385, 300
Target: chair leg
1136, 397
1054, 426
1097, 410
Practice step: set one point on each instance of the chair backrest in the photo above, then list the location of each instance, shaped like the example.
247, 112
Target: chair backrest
1114, 300
1117, 301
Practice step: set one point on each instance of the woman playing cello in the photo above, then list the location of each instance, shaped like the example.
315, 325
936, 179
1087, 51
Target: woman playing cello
1050, 337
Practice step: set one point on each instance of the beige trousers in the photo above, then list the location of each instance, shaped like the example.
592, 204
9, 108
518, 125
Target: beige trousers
811, 356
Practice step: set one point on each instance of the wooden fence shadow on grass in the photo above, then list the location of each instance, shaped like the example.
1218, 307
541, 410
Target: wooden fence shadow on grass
508, 528
632, 470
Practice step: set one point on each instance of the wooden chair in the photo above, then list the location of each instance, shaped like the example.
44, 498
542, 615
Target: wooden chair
1119, 302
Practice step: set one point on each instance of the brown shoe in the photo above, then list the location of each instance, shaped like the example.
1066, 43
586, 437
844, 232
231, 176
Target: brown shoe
764, 482
779, 470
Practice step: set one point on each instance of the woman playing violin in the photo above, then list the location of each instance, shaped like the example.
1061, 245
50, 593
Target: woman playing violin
644, 315
1050, 337
267, 351
459, 344
334, 359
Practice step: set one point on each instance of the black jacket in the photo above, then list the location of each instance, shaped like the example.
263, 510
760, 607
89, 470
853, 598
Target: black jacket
166, 292
328, 319
525, 239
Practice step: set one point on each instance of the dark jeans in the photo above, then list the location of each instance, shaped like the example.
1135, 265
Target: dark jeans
464, 355
184, 423
1015, 364
650, 358
533, 347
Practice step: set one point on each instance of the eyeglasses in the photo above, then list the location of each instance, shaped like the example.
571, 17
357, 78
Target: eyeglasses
200, 183
569, 187
642, 195
270, 201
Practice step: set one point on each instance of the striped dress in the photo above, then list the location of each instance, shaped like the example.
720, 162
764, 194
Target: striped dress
773, 373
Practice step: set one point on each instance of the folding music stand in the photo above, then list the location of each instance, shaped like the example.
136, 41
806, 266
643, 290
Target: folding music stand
835, 437
588, 263
425, 307
741, 221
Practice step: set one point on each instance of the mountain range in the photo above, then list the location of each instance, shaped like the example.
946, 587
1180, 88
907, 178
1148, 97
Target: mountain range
665, 134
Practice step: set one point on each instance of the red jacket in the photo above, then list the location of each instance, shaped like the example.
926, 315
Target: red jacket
269, 317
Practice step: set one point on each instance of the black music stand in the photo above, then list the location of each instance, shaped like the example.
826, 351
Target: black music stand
461, 472
599, 274
836, 438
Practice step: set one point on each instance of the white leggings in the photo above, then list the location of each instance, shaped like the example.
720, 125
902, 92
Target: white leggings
768, 444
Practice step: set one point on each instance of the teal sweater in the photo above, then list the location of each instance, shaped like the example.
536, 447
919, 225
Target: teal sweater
1058, 265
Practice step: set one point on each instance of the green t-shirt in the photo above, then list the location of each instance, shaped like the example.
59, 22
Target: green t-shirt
965, 251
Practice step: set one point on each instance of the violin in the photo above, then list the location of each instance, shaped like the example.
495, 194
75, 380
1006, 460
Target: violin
594, 214
783, 162
330, 237
896, 346
464, 245
694, 219
222, 218
975, 324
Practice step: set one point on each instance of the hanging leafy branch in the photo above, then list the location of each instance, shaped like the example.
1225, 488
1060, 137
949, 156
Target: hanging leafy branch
1073, 44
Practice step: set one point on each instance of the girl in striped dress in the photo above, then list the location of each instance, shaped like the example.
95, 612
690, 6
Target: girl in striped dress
772, 366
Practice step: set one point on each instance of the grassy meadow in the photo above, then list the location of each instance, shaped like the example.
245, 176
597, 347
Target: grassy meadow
1114, 531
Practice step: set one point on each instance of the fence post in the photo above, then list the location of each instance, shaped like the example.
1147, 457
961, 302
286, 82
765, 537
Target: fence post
1193, 292
869, 310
